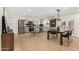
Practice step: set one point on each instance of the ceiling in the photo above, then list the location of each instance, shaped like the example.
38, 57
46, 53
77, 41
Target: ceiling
39, 11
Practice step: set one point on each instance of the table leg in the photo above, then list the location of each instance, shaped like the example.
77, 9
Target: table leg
61, 41
47, 35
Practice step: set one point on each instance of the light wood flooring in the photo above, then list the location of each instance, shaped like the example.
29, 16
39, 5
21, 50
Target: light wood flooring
39, 42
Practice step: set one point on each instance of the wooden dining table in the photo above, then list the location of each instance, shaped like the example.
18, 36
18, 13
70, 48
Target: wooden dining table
58, 32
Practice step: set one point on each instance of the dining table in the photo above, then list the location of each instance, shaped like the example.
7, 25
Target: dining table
58, 32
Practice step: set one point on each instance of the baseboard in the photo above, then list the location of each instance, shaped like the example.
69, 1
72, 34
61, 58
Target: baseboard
75, 36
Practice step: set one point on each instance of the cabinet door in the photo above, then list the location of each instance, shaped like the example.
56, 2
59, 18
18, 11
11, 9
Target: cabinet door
3, 42
7, 42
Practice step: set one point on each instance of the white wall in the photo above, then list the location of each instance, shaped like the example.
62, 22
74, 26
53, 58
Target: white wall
74, 17
0, 26
13, 23
0, 32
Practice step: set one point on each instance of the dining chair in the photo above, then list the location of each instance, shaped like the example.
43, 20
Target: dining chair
67, 35
54, 32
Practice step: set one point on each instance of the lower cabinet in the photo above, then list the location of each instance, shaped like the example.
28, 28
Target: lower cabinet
7, 41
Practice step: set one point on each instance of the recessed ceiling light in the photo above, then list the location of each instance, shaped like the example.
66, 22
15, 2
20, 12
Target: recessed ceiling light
25, 13
29, 10
42, 13
65, 8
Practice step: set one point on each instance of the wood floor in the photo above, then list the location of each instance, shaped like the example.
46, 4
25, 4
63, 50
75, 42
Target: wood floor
39, 42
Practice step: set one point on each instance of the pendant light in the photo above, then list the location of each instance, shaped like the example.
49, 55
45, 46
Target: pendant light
58, 14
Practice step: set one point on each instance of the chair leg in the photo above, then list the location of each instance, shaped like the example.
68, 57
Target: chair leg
56, 36
69, 41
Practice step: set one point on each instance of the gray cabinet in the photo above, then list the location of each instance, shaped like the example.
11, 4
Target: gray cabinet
21, 27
